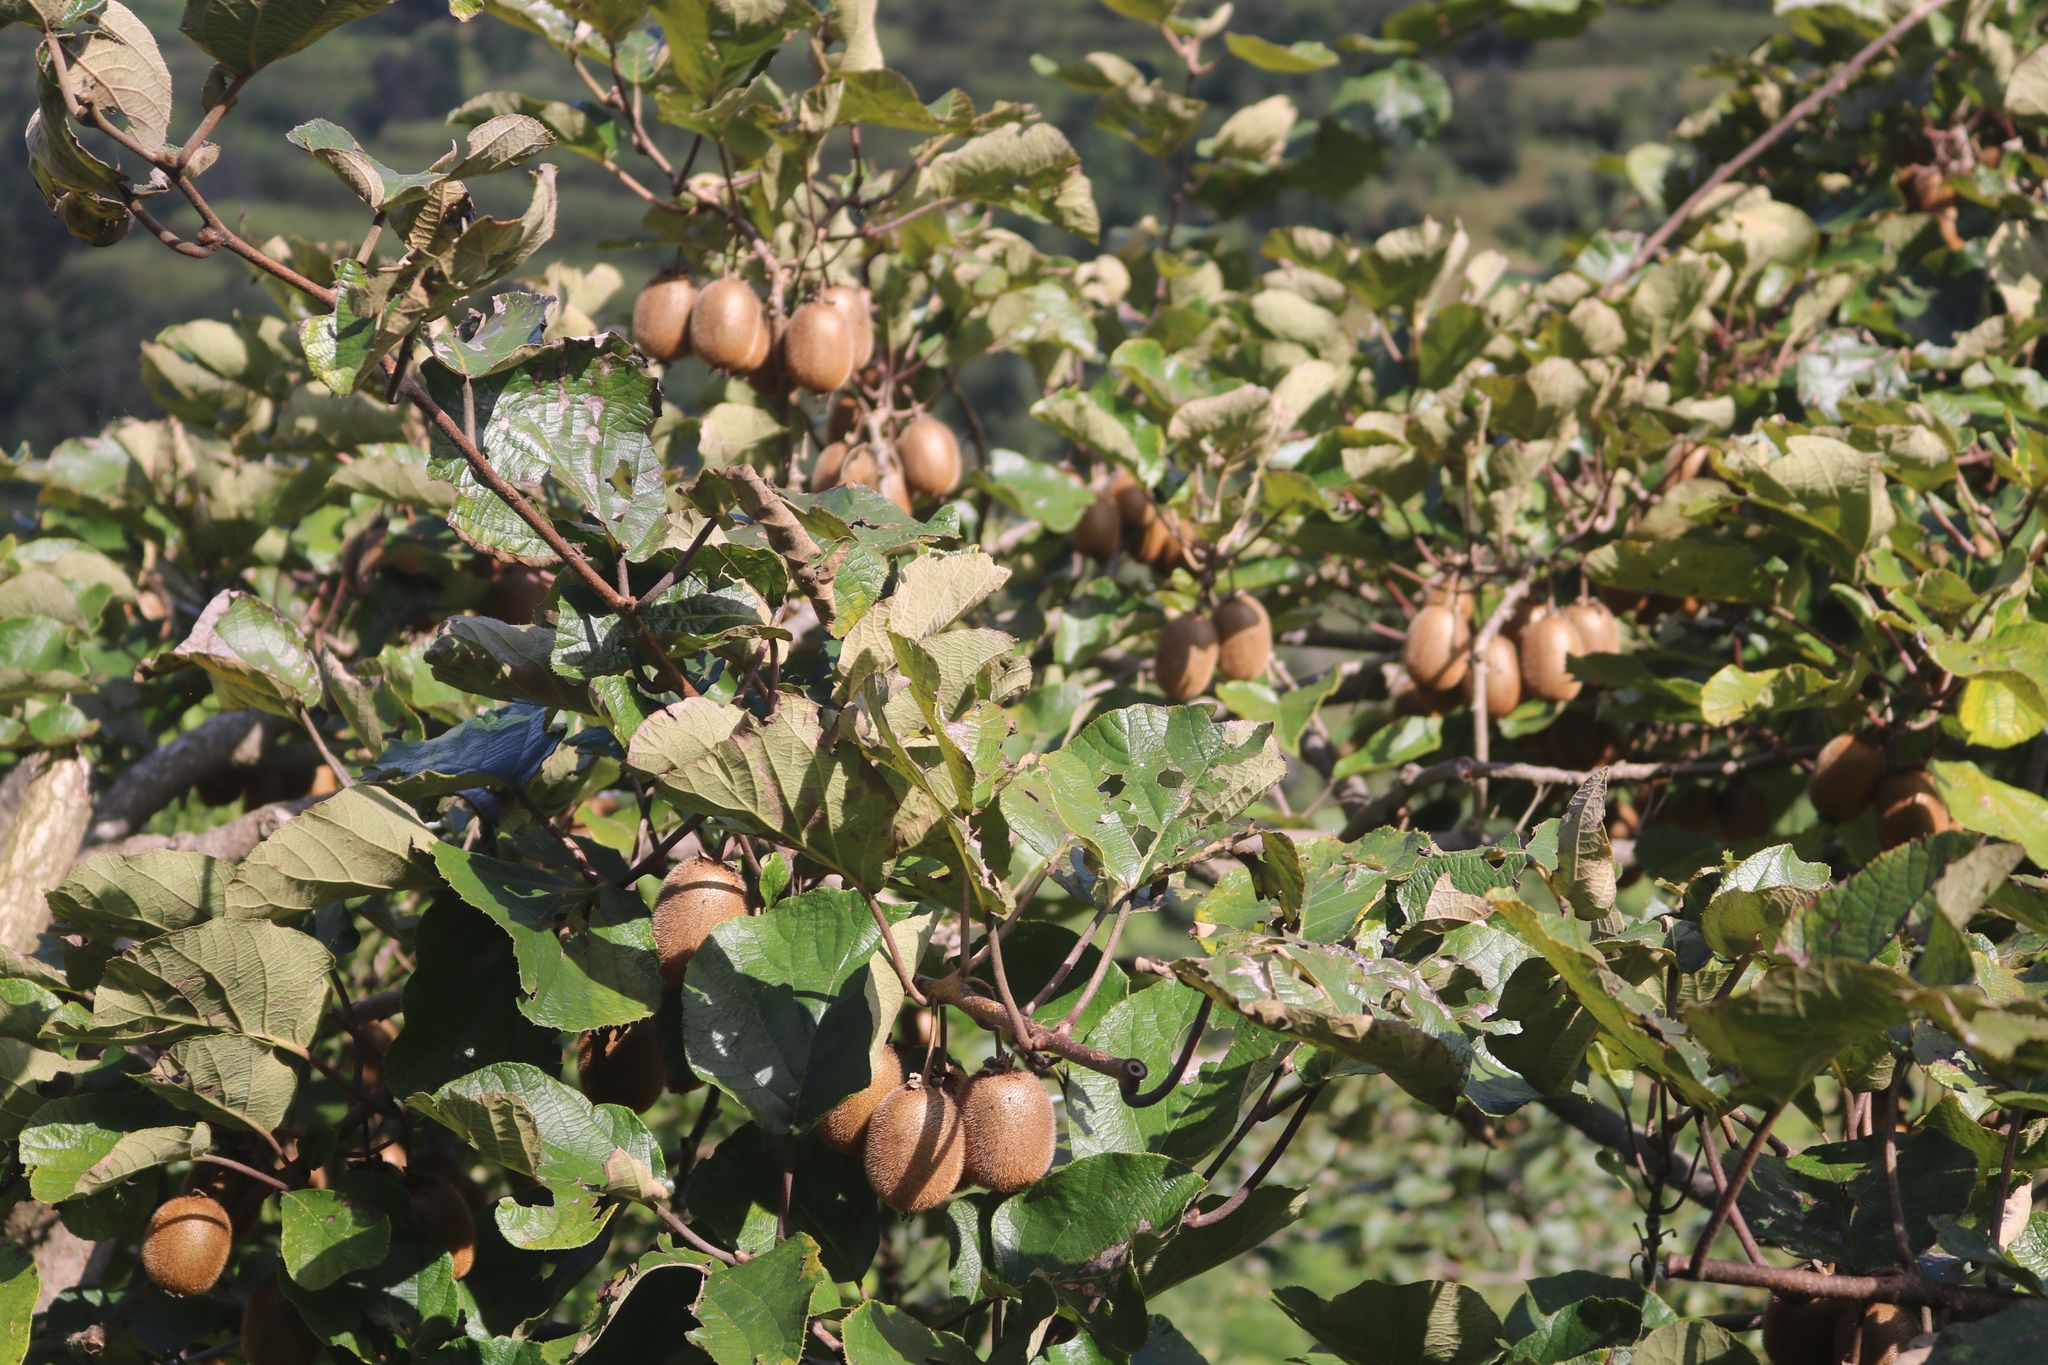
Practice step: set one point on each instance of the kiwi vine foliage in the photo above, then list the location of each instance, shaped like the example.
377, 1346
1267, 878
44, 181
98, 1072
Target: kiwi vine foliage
466, 618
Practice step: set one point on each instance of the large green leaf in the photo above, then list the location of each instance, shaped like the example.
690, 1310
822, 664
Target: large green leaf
782, 1010
501, 748
1784, 1031
1142, 789
227, 1078
252, 655
1861, 917
601, 971
1832, 1201
877, 1334
529, 1122
1429, 1322
20, 1284
1083, 1212
260, 980
1196, 1114
144, 895
82, 1144
462, 1004
2003, 811
1757, 897
755, 1313
355, 843
245, 35
327, 1234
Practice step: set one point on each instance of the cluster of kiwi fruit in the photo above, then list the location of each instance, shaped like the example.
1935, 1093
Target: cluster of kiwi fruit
1850, 776
1800, 1331
1532, 658
1123, 513
1235, 640
820, 347
922, 1137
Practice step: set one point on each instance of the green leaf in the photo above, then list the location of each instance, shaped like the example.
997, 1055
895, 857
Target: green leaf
511, 663
1859, 919
501, 748
1266, 1212
878, 1334
1694, 565
1784, 1031
1832, 1201
1732, 695
579, 414
81, 1144
1401, 740
462, 1004
603, 971
2026, 89
327, 1235
781, 775
1429, 1322
736, 1198
527, 1121
355, 843
1268, 56
253, 656
226, 1078
1585, 861
782, 1010
1991, 807
1757, 897
1290, 715
260, 980
1197, 1113
1141, 789
20, 1285
246, 35
1692, 1343
143, 895
1068, 1220
553, 1217
116, 65
755, 1313
1044, 492
1029, 168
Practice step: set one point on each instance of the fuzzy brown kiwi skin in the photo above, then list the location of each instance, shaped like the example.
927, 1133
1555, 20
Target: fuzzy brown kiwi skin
1100, 528
1547, 648
622, 1066
1450, 595
891, 485
916, 1148
696, 897
1800, 1331
273, 1332
856, 310
830, 464
661, 316
931, 457
1845, 775
1876, 1334
187, 1245
727, 326
817, 348
1503, 677
1244, 636
1132, 501
844, 1127
1599, 632
1011, 1134
444, 1219
1186, 659
1437, 651
1909, 808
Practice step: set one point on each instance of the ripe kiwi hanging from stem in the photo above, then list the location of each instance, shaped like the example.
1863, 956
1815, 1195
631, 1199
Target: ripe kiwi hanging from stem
843, 1128
696, 897
443, 1217
931, 457
1186, 659
1437, 652
817, 348
916, 1148
661, 316
187, 1244
1244, 637
622, 1066
728, 328
1845, 775
856, 309
1010, 1131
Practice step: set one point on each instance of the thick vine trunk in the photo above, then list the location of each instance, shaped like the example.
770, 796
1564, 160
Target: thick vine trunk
45, 805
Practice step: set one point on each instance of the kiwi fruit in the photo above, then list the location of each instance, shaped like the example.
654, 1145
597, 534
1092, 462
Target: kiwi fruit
1599, 632
1503, 677
2018, 1210
1547, 648
376, 1035
727, 326
1010, 1131
622, 1066
1844, 775
1132, 501
1159, 543
443, 1218
892, 486
931, 457
661, 316
916, 1148
273, 1333
1410, 700
844, 417
860, 467
855, 310
1877, 1334
825, 472
187, 1244
817, 348
846, 1123
696, 897
1186, 659
1244, 638
1801, 1331
1100, 528
1908, 808
1437, 652
1449, 595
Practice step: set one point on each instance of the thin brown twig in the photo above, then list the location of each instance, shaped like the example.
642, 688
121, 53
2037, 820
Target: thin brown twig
1733, 1188
1814, 1284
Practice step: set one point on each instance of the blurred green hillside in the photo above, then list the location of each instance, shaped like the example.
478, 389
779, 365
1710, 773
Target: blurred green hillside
1515, 161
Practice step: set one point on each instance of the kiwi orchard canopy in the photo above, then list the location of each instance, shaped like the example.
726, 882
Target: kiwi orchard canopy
953, 777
